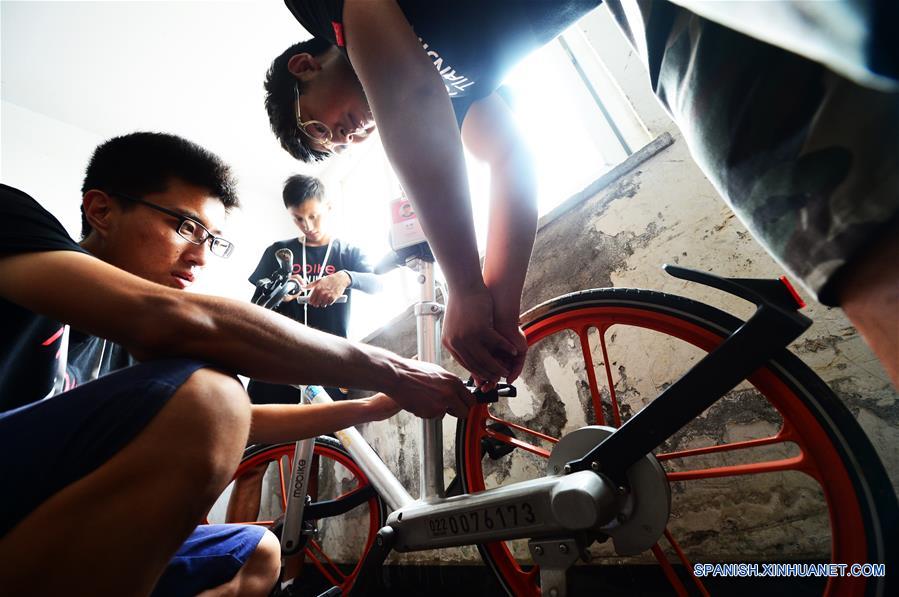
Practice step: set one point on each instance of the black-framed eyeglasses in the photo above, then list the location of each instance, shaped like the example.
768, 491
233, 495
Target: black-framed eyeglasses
188, 228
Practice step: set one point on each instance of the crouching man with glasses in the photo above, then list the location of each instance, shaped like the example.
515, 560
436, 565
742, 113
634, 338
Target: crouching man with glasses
110, 463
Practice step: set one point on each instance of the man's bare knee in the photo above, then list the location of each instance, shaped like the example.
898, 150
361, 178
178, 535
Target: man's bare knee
260, 573
217, 396
213, 420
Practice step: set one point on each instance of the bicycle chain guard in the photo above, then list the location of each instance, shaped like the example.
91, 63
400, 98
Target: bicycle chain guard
644, 508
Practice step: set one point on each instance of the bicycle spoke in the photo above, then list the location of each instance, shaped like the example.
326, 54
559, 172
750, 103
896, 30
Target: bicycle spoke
348, 494
282, 483
754, 443
543, 452
338, 577
595, 396
796, 463
613, 397
532, 575
502, 437
670, 574
683, 559
527, 430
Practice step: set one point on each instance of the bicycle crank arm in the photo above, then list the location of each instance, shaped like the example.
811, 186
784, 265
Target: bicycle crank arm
339, 506
550, 506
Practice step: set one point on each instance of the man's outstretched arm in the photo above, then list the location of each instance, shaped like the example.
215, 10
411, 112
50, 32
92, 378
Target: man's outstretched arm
418, 129
275, 423
153, 321
491, 135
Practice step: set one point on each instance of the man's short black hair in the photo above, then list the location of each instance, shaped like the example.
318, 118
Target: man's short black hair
280, 98
141, 163
298, 189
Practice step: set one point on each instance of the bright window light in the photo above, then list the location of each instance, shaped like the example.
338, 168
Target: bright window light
565, 128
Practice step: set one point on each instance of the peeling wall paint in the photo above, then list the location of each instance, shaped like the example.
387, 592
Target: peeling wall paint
666, 211
663, 210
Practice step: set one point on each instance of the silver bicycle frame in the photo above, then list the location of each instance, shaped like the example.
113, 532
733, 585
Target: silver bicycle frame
552, 506
431, 488
299, 485
427, 313
430, 447
553, 511
383, 479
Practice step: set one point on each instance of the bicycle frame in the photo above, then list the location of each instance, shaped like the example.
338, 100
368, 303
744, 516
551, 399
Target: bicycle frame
563, 511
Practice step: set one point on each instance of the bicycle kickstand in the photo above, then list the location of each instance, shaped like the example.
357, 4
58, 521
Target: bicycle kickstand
554, 556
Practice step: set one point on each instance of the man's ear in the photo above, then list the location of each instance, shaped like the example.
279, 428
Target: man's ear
303, 66
99, 209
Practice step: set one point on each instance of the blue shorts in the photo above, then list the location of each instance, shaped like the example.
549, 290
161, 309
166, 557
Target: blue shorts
46, 446
210, 557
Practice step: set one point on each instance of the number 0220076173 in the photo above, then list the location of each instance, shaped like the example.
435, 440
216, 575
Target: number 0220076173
487, 519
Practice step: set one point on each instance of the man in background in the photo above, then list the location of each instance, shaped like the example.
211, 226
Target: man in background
326, 267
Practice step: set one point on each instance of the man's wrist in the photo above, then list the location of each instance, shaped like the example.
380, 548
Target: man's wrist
468, 285
506, 311
370, 410
506, 301
387, 368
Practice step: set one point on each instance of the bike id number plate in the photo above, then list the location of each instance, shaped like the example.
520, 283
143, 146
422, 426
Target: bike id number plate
508, 516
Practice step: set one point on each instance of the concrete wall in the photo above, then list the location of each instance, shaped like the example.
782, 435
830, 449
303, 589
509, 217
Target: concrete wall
659, 208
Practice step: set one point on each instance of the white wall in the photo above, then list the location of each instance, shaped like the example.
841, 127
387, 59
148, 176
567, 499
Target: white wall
77, 73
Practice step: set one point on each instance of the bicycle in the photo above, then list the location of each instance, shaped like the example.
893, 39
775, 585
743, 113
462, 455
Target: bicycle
604, 491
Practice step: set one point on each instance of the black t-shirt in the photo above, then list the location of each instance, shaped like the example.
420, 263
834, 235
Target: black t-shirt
343, 257
30, 344
473, 43
90, 357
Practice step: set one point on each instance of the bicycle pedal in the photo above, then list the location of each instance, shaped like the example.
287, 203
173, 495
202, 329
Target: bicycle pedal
502, 390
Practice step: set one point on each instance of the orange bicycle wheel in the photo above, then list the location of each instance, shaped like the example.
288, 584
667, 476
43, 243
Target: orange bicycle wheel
333, 555
778, 470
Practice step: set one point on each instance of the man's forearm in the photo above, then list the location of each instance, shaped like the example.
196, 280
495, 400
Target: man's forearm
367, 282
275, 423
154, 321
430, 164
270, 347
513, 225
418, 129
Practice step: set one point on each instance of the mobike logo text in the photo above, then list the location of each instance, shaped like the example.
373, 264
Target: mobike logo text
314, 269
299, 482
